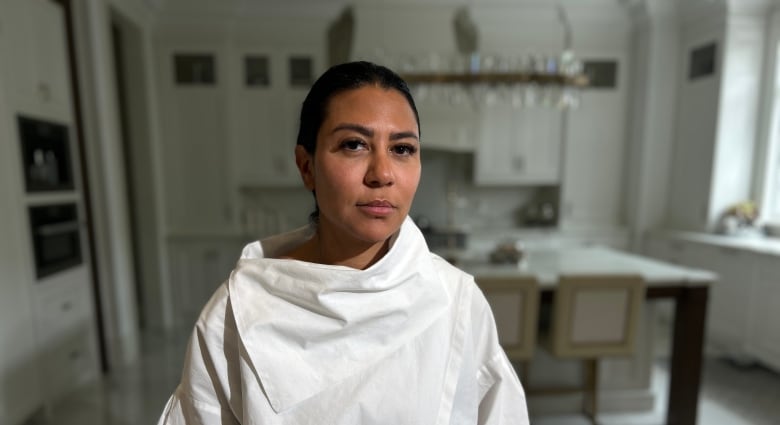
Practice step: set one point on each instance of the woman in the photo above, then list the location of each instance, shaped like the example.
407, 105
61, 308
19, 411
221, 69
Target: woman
350, 320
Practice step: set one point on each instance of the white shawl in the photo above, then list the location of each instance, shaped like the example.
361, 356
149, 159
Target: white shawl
410, 340
308, 326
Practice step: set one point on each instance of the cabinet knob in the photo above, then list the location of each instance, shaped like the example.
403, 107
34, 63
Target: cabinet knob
67, 306
518, 163
45, 91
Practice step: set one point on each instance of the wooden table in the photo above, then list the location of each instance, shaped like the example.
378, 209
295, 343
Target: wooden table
687, 287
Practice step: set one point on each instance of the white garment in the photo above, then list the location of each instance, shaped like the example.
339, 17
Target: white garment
410, 340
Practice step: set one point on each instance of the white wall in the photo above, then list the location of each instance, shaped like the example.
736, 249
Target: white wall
653, 119
19, 380
698, 106
105, 161
713, 160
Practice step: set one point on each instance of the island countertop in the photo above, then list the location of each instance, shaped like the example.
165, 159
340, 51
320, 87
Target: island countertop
548, 264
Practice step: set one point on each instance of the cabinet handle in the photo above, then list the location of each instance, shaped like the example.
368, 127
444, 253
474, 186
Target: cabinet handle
518, 163
58, 228
45, 91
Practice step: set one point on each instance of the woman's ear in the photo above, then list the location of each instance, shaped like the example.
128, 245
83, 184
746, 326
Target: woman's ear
305, 163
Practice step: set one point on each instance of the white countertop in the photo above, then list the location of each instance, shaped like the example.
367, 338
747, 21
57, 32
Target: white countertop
758, 244
548, 265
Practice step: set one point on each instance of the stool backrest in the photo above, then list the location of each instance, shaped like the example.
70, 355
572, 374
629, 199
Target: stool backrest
596, 316
515, 305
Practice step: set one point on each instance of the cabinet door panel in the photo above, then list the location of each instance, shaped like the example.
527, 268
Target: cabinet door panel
448, 127
198, 268
255, 129
518, 146
194, 163
727, 322
52, 58
37, 64
264, 120
22, 70
765, 324
595, 158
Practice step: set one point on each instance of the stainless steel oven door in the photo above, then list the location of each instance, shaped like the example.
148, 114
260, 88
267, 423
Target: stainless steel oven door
56, 237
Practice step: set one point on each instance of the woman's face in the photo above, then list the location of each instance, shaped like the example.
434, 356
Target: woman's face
366, 166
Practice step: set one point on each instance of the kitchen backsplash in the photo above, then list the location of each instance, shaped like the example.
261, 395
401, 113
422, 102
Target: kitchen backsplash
447, 196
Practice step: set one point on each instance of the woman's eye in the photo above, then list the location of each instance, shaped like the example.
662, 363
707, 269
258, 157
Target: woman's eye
352, 145
404, 149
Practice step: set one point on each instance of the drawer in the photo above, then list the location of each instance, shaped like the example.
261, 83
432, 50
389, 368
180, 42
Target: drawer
61, 306
69, 363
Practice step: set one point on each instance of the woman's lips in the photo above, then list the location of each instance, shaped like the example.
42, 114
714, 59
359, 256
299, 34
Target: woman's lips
377, 208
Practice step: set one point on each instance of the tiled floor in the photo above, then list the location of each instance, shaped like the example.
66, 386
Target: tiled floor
731, 395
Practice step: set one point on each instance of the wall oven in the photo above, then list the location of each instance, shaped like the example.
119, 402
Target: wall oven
45, 155
56, 237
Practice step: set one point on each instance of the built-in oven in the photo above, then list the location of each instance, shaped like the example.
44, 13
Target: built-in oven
56, 237
45, 151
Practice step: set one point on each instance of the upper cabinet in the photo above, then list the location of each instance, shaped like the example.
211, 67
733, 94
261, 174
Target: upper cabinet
267, 88
519, 146
447, 127
36, 59
594, 167
230, 104
195, 134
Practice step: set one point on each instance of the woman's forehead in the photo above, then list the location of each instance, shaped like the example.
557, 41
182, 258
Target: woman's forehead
370, 102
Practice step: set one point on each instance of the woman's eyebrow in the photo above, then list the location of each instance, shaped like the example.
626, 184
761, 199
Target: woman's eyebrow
367, 132
404, 135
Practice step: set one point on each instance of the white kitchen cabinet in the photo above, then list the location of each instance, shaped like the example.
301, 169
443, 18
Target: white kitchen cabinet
727, 316
198, 265
764, 336
21, 392
742, 312
446, 127
518, 146
194, 155
64, 324
669, 250
36, 58
595, 151
264, 118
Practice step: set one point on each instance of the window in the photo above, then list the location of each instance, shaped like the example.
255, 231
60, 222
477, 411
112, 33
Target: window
771, 196
770, 169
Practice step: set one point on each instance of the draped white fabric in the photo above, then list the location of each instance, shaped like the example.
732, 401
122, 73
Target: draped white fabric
410, 340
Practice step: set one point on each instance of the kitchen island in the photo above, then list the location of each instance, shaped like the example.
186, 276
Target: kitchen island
687, 287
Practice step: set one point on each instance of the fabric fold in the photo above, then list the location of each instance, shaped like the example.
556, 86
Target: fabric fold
308, 326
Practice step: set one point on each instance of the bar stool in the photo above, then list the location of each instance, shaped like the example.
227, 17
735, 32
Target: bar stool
595, 317
515, 305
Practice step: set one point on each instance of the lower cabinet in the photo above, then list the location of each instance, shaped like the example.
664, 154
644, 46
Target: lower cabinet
67, 338
764, 335
69, 361
743, 321
198, 266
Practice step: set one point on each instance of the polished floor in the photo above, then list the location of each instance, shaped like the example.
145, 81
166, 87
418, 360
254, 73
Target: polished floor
731, 394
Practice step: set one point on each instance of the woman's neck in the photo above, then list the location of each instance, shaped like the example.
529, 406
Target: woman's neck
333, 250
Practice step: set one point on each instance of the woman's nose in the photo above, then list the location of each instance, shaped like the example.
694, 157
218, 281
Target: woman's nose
380, 170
